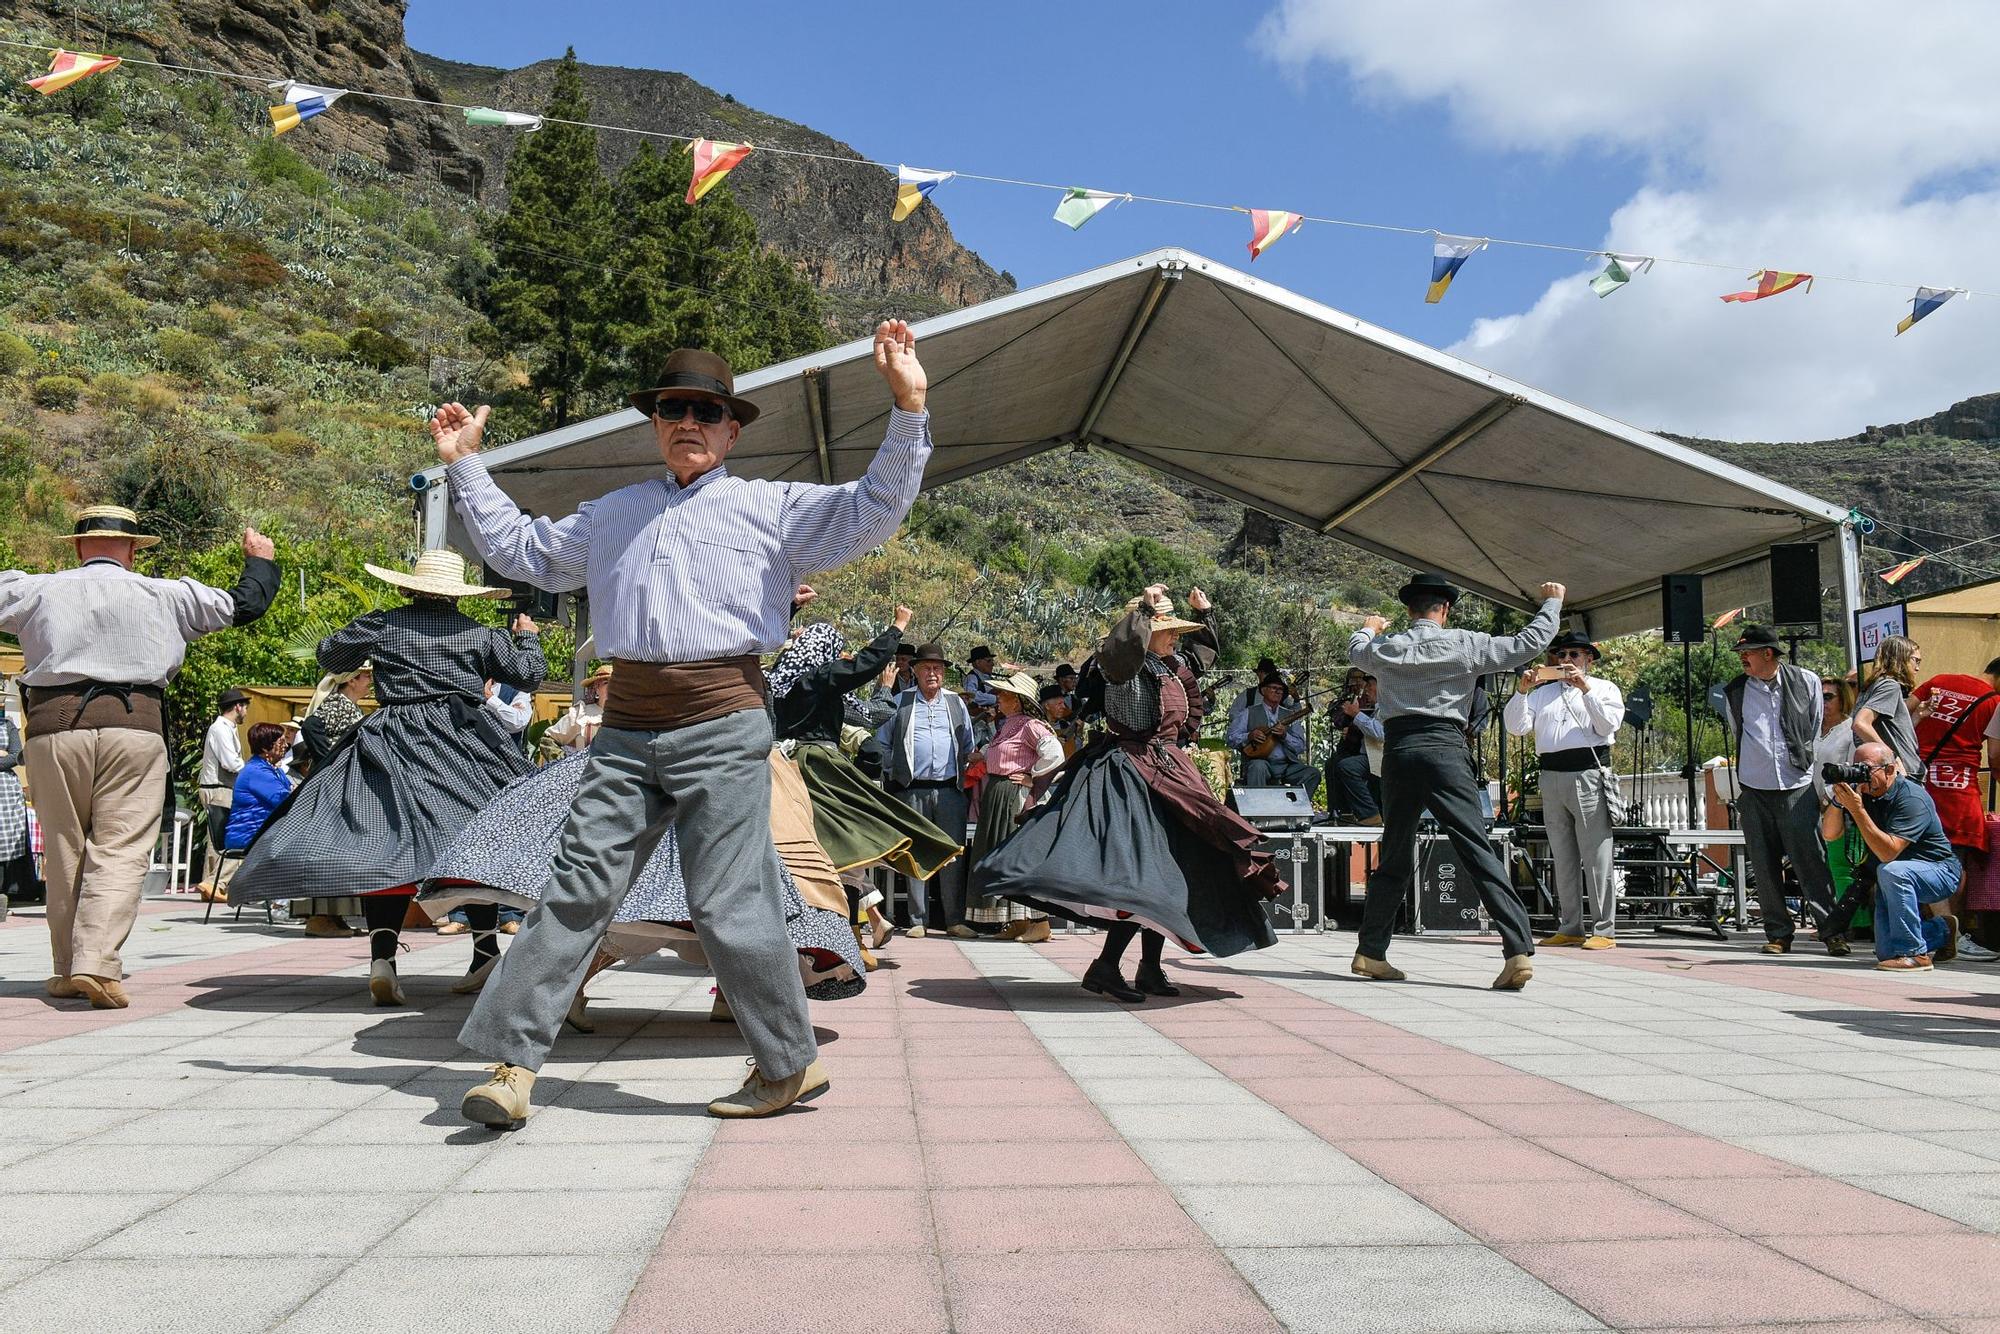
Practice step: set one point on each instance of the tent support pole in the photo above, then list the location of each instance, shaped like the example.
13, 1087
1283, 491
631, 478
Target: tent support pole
1451, 440
1163, 276
814, 384
1850, 590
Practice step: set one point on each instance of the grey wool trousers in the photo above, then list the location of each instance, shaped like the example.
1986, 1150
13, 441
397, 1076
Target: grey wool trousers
712, 782
1579, 810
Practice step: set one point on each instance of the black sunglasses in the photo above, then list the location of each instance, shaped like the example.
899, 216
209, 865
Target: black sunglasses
706, 411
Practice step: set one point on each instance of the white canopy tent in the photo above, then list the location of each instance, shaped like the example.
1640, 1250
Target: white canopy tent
1272, 400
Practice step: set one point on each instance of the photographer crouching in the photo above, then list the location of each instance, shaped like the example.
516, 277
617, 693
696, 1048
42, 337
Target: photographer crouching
1910, 857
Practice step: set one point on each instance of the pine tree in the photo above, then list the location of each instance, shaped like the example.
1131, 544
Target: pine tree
695, 275
550, 249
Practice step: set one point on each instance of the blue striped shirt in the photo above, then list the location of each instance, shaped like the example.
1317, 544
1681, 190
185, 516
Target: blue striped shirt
707, 570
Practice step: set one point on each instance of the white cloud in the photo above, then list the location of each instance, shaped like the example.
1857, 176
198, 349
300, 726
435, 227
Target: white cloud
1841, 138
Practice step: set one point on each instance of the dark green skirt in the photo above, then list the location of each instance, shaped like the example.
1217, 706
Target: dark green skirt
859, 824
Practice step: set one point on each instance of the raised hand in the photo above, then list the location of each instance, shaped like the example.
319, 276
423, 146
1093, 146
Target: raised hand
1374, 625
1552, 590
458, 432
903, 615
258, 545
1198, 600
896, 361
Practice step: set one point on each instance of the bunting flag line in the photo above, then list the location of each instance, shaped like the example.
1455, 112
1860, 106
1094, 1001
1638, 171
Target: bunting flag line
1080, 206
713, 159
1268, 226
66, 67
1770, 282
517, 120
302, 102
1926, 300
913, 187
1448, 256
1619, 270
1895, 574
1726, 618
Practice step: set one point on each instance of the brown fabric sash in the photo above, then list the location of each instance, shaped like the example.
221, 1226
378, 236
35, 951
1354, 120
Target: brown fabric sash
660, 696
89, 705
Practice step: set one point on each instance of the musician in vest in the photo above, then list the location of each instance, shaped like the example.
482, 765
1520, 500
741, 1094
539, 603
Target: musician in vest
925, 747
101, 644
1271, 742
1425, 679
1573, 719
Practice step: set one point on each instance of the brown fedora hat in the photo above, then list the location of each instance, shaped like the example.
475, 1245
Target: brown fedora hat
691, 371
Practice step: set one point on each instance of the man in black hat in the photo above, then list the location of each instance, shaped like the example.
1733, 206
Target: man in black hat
692, 576
1573, 717
1773, 711
1425, 679
925, 748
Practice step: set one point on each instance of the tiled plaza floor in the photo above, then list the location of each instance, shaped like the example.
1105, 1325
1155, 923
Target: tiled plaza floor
1675, 1134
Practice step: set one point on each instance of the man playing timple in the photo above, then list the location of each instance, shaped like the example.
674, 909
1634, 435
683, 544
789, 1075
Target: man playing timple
1425, 678
691, 577
1913, 860
1285, 764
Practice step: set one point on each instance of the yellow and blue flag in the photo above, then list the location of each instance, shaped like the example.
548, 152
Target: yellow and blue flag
1448, 256
913, 187
1926, 300
302, 102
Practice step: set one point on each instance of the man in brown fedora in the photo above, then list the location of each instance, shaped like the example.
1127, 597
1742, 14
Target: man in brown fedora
101, 643
692, 576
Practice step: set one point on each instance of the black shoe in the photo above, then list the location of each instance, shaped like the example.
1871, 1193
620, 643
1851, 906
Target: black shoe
1152, 980
1104, 979
1838, 947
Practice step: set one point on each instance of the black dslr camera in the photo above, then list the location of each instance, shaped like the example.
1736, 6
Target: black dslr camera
1854, 775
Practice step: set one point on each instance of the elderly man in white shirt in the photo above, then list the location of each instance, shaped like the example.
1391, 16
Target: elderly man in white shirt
221, 761
1574, 716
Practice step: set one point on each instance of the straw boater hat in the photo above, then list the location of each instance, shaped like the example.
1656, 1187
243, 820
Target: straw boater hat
1163, 615
690, 372
111, 521
441, 574
598, 677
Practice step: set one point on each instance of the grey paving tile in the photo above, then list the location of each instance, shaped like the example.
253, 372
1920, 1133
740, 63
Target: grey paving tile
46, 1225
1731, 1120
131, 1093
1204, 1123
583, 1294
157, 1295
538, 1222
280, 1090
1375, 1214
580, 1125
194, 1130
1654, 1088
522, 1166
88, 1167
1864, 1152
354, 1169
1157, 1092
297, 1226
1275, 1162
1356, 1289
1971, 1198
1908, 1112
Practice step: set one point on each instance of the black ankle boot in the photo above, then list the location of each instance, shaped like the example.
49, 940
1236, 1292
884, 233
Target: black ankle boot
1152, 979
1105, 980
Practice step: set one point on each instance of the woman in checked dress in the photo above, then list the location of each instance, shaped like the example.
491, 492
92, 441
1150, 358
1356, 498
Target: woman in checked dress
373, 817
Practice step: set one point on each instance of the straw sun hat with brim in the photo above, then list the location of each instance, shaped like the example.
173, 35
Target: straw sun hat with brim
1019, 684
598, 677
439, 573
111, 521
1164, 617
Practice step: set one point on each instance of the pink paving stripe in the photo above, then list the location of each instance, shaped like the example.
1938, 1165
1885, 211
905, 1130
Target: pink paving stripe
953, 1178
28, 1020
1637, 1221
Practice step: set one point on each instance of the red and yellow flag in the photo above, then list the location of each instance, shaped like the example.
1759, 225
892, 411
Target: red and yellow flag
712, 161
1268, 226
1726, 618
69, 66
1770, 282
1895, 574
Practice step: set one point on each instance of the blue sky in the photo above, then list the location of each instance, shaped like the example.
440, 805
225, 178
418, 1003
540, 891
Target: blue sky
1550, 120
1164, 98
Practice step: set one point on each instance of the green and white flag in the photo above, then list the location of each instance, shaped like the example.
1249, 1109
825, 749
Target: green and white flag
1620, 270
517, 120
1080, 206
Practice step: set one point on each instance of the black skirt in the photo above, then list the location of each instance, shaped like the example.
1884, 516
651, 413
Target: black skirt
384, 806
1103, 849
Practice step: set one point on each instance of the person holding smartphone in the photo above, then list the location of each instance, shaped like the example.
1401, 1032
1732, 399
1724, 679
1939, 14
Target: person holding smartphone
1573, 717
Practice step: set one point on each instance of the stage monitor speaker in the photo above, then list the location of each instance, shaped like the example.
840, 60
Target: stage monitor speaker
1297, 855
1795, 585
1273, 808
1680, 609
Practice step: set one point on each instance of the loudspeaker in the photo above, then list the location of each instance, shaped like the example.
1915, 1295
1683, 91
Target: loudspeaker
1680, 609
1795, 584
1272, 808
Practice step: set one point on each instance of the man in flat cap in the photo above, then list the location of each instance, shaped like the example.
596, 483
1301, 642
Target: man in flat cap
1425, 679
692, 576
101, 643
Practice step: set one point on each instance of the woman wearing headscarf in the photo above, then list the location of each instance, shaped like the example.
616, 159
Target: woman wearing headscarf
857, 822
378, 812
1020, 758
335, 710
1131, 836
